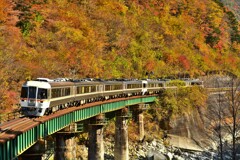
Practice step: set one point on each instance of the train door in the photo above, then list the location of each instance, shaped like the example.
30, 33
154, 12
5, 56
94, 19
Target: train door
144, 87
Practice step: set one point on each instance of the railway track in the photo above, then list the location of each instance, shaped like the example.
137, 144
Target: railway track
10, 129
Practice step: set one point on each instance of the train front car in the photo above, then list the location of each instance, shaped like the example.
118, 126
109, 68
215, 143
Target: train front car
34, 98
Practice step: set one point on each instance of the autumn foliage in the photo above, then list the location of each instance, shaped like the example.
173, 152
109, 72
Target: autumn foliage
114, 38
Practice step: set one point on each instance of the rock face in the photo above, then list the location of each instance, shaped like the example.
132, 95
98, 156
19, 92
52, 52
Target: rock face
191, 126
184, 143
82, 152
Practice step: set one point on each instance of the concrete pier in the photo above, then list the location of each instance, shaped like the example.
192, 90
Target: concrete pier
65, 146
138, 117
121, 151
141, 126
96, 147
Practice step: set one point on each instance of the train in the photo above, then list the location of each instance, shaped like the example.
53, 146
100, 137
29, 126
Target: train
44, 96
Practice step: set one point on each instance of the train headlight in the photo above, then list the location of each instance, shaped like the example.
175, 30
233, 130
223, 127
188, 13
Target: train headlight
23, 100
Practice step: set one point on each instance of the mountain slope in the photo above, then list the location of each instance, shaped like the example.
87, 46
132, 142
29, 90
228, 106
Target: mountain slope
115, 38
159, 36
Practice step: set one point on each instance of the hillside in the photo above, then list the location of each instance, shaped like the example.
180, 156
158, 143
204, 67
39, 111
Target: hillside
234, 6
113, 39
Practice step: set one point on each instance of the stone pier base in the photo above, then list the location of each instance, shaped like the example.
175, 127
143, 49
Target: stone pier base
65, 146
121, 151
96, 147
141, 126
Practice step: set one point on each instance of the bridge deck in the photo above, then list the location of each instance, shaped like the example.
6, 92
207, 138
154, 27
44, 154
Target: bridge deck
20, 134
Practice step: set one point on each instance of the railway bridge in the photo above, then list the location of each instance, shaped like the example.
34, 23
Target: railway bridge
21, 136
24, 134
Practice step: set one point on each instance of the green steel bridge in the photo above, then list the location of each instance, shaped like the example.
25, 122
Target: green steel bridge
14, 142
20, 141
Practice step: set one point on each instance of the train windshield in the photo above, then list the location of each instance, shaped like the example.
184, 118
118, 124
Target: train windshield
42, 93
24, 92
32, 92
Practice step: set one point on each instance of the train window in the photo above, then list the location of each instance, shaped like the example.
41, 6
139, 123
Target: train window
160, 85
62, 92
24, 92
87, 89
144, 85
54, 93
113, 87
93, 88
79, 90
117, 87
107, 88
151, 85
59, 92
67, 91
32, 92
42, 93
134, 86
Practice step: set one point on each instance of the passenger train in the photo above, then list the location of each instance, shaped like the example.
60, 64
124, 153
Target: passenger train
45, 96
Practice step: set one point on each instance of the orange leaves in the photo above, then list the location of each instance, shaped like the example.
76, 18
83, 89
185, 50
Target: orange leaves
12, 98
184, 62
219, 45
150, 65
4, 8
8, 99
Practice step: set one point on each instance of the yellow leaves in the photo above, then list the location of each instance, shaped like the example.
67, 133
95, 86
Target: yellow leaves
215, 14
73, 34
113, 7
61, 3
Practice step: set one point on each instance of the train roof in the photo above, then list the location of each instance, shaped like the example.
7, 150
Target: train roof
155, 81
47, 83
135, 82
87, 82
44, 80
61, 84
40, 84
113, 82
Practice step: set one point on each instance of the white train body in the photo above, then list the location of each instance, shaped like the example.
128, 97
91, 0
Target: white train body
34, 100
44, 96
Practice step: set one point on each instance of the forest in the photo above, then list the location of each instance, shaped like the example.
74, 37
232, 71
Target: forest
234, 6
114, 39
